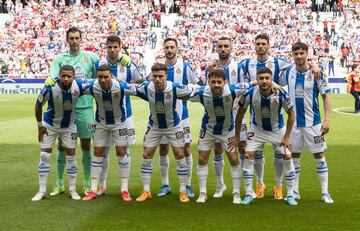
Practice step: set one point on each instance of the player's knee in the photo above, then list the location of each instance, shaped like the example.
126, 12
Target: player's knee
241, 147
234, 161
319, 155
98, 152
295, 155
164, 149
217, 148
70, 151
249, 155
48, 150
286, 157
85, 144
203, 160
147, 155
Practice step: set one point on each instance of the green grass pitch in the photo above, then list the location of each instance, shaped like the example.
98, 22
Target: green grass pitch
19, 182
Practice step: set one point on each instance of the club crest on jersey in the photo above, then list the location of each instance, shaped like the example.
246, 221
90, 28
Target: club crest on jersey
309, 77
270, 65
121, 69
116, 95
233, 72
168, 96
75, 93
86, 59
178, 70
227, 99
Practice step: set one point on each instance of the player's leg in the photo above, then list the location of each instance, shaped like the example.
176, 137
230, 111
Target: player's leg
104, 172
279, 173
60, 170
44, 163
188, 156
152, 139
164, 167
69, 142
259, 164
297, 142
84, 123
248, 173
289, 173
322, 171
202, 173
219, 164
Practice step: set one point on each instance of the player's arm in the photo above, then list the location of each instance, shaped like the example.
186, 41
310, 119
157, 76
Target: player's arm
183, 92
289, 125
141, 91
326, 123
238, 122
128, 89
42, 98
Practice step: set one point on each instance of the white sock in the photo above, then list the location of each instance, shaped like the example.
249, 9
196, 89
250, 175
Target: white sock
219, 164
322, 171
71, 171
259, 163
164, 169
296, 162
44, 169
124, 171
189, 164
146, 172
279, 168
202, 173
96, 166
248, 173
289, 172
236, 175
105, 168
182, 173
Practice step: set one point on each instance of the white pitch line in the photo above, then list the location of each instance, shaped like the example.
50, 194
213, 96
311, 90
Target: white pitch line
338, 110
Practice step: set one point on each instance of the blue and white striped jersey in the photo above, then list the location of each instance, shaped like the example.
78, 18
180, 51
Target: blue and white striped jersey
266, 111
304, 90
232, 72
129, 74
163, 105
60, 112
218, 117
110, 107
250, 66
182, 73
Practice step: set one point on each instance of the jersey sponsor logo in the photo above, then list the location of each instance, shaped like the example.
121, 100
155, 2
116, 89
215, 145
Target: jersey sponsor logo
299, 91
319, 139
159, 107
186, 130
67, 105
73, 136
107, 105
219, 111
265, 112
123, 132
179, 135
131, 132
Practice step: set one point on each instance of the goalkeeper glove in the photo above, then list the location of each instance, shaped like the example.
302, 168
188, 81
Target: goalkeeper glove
50, 82
125, 60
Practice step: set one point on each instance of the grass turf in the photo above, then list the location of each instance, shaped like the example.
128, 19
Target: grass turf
19, 183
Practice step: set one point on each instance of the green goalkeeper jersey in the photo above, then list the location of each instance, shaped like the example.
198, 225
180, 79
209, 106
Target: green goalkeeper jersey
84, 69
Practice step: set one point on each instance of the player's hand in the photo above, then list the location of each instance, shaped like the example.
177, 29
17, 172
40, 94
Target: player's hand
50, 82
233, 144
41, 132
286, 144
315, 70
213, 64
325, 128
275, 88
125, 60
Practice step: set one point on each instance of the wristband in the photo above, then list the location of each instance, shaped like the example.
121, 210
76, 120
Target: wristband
39, 124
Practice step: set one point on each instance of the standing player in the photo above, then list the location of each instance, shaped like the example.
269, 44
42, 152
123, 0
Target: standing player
267, 126
165, 121
304, 90
179, 72
129, 74
250, 67
110, 124
83, 63
217, 127
59, 120
232, 71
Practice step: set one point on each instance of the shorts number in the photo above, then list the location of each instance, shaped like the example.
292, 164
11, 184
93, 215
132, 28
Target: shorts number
73, 136
147, 130
187, 130
179, 135
123, 132
249, 135
319, 139
131, 132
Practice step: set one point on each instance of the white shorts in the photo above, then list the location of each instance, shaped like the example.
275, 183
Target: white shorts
187, 134
67, 136
207, 140
243, 130
130, 130
106, 133
257, 137
311, 137
174, 135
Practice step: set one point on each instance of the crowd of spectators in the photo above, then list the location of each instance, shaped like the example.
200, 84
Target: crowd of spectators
35, 34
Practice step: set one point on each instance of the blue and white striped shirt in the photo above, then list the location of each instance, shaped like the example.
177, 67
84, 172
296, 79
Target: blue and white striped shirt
266, 111
232, 72
304, 90
129, 74
218, 117
110, 107
163, 105
60, 113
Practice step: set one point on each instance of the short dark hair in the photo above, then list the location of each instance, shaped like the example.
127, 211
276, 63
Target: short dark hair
353, 67
159, 67
171, 39
217, 72
263, 36
73, 30
299, 45
104, 67
67, 68
263, 71
113, 38
224, 38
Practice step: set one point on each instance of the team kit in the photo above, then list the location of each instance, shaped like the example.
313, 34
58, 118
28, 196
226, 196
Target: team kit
266, 85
